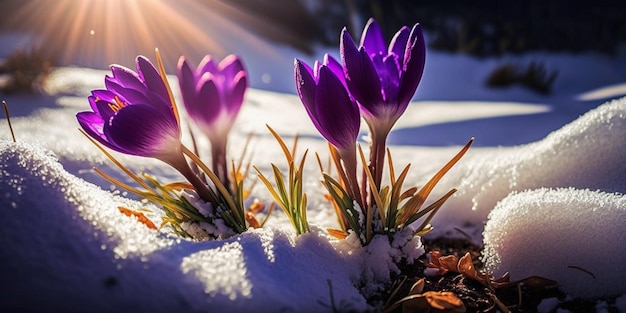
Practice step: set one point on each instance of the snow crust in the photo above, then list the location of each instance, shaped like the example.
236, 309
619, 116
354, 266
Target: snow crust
587, 153
66, 244
573, 236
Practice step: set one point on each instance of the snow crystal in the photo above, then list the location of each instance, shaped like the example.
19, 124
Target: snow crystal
575, 237
379, 260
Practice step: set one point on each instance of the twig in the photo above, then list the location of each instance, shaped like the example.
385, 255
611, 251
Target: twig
6, 112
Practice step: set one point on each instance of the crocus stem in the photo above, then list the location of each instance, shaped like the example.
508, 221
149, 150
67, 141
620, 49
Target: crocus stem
181, 165
349, 163
221, 189
218, 160
377, 156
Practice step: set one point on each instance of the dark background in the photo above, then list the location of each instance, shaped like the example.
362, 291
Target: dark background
481, 28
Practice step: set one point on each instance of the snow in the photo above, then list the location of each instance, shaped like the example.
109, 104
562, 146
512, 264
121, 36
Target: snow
544, 181
587, 226
63, 237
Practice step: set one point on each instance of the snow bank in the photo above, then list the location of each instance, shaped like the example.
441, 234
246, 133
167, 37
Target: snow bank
66, 247
575, 237
587, 153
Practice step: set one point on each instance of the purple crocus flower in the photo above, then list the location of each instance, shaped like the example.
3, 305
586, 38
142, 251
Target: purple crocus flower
383, 79
332, 110
135, 115
213, 94
329, 105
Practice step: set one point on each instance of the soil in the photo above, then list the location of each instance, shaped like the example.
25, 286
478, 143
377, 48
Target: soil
520, 297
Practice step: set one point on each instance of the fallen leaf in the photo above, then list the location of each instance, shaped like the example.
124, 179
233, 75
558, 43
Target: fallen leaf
337, 233
466, 267
443, 264
140, 216
444, 300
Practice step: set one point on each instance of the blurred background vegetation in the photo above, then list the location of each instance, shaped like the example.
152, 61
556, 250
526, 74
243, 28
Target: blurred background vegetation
479, 27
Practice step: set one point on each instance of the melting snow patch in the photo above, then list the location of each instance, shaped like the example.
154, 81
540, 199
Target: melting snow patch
575, 237
588, 153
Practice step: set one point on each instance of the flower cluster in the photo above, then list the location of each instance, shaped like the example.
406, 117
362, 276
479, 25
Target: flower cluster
376, 82
136, 114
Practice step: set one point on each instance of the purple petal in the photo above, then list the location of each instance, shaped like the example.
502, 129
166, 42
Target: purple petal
336, 68
337, 115
207, 65
142, 130
389, 72
398, 42
305, 84
151, 77
125, 94
361, 76
103, 94
413, 68
97, 95
187, 83
233, 98
126, 77
209, 105
93, 125
372, 38
230, 66
104, 109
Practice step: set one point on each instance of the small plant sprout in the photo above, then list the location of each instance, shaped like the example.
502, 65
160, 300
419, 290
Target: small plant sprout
288, 192
6, 113
136, 114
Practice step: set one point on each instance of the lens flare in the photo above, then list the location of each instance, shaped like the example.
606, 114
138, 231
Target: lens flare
97, 33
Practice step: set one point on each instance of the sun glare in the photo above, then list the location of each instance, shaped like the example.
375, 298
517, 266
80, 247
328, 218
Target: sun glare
97, 33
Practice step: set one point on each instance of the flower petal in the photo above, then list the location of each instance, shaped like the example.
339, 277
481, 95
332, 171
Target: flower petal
338, 116
207, 65
142, 129
361, 76
413, 65
230, 66
126, 77
152, 79
398, 43
93, 125
187, 83
124, 94
389, 71
104, 109
336, 68
306, 85
97, 95
233, 96
209, 105
372, 38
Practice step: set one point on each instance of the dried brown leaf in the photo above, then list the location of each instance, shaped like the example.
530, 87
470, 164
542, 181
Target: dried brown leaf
140, 216
466, 267
443, 263
445, 301
337, 233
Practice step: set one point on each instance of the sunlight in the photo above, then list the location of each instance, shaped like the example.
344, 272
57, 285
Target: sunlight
97, 33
